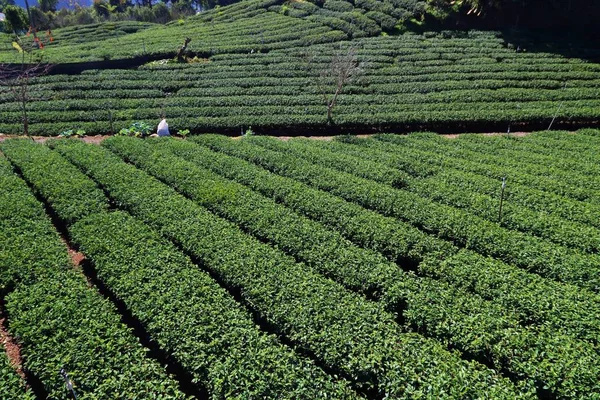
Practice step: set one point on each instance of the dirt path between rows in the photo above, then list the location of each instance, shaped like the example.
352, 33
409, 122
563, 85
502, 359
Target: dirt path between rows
447, 136
42, 139
10, 345
99, 138
77, 259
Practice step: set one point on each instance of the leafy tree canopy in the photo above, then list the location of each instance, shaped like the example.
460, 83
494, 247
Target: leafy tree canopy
47, 5
16, 19
5, 3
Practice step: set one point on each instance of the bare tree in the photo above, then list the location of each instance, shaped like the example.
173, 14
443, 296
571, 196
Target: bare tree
342, 70
183, 49
16, 78
32, 27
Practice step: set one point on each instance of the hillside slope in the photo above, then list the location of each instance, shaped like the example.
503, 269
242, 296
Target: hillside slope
272, 67
259, 25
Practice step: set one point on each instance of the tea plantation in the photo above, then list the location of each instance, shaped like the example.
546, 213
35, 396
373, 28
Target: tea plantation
387, 267
260, 64
372, 266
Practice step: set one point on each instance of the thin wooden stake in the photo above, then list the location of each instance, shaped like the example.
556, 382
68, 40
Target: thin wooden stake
557, 110
68, 382
501, 199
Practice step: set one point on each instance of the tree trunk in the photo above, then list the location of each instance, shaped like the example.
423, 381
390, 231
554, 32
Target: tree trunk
24, 107
25, 118
182, 50
31, 22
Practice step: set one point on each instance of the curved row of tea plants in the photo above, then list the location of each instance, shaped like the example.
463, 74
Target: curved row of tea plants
98, 32
357, 19
456, 189
537, 176
486, 181
402, 243
256, 31
578, 169
345, 332
190, 317
446, 314
465, 229
57, 319
65, 38
223, 29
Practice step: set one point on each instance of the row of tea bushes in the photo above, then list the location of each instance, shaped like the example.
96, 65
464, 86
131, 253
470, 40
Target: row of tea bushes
13, 386
459, 226
347, 333
182, 309
258, 31
57, 319
454, 188
578, 170
426, 161
533, 175
446, 314
399, 241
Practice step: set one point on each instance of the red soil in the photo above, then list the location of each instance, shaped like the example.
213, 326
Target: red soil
41, 139
76, 257
97, 139
10, 345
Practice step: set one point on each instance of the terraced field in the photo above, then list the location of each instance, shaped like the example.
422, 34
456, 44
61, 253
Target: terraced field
258, 64
386, 267
261, 25
408, 81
